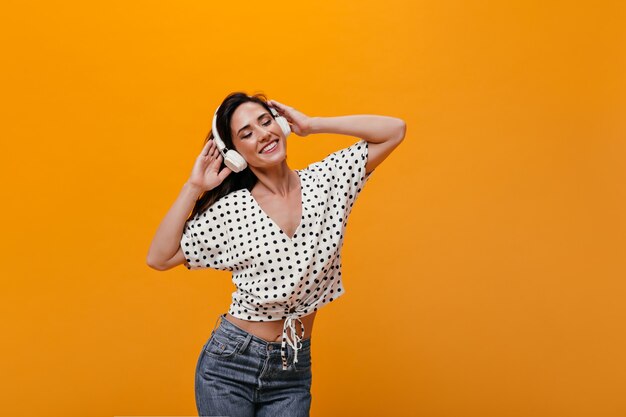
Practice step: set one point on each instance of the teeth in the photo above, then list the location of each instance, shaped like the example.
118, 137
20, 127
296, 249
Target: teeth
270, 146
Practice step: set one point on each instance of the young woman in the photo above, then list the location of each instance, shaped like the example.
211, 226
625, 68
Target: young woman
280, 232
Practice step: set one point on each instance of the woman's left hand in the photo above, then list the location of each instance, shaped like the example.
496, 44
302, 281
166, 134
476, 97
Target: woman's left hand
300, 123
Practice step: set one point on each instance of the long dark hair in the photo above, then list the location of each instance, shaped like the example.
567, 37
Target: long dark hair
235, 180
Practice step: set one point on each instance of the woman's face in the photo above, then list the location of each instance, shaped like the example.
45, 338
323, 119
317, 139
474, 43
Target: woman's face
253, 128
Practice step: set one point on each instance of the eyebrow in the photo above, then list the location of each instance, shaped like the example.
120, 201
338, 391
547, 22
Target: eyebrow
258, 118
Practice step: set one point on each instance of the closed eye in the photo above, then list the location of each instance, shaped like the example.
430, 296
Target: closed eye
269, 122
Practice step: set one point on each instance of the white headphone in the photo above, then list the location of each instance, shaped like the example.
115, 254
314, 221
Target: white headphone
232, 158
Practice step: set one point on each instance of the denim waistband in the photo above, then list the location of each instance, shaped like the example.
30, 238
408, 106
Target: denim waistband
256, 342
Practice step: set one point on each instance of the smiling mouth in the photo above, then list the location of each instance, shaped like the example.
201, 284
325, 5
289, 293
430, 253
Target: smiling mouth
269, 146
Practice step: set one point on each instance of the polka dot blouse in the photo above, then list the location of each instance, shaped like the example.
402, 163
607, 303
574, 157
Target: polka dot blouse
276, 276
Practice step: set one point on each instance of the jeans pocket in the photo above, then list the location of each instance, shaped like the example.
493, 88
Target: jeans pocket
222, 346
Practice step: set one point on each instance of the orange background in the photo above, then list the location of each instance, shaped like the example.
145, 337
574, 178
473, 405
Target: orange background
484, 262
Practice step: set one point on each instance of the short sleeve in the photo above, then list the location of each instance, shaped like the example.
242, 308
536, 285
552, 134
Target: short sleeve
205, 241
346, 168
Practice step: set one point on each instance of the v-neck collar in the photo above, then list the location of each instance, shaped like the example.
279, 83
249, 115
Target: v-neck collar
272, 222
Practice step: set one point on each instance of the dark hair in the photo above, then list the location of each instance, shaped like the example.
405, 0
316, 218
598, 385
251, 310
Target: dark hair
235, 180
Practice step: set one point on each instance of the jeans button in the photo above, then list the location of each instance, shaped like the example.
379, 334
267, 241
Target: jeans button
270, 347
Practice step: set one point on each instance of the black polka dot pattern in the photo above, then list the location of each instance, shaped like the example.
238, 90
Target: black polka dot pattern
276, 276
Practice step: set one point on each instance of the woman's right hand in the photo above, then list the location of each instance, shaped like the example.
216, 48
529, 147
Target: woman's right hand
205, 173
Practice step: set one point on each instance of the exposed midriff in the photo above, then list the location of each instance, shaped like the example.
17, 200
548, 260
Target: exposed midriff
272, 331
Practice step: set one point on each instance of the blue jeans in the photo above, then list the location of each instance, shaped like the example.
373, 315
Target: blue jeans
240, 375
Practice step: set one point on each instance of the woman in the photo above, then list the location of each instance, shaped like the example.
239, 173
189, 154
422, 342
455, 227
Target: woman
280, 231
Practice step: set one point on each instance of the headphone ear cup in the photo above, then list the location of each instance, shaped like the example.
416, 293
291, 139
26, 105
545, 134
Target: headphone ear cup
284, 125
282, 122
235, 161
232, 159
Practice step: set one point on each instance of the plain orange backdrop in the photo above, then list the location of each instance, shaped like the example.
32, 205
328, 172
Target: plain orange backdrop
484, 262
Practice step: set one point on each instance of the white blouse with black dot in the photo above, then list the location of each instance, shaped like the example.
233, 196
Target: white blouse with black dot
278, 277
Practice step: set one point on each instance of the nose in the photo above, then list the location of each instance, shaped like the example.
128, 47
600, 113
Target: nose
265, 134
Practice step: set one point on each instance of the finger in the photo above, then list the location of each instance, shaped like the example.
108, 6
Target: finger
212, 148
224, 173
281, 111
205, 148
278, 106
217, 160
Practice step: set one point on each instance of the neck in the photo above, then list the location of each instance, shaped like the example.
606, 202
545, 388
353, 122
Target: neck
276, 181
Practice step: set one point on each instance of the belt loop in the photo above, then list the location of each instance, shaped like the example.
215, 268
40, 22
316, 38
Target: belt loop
245, 343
